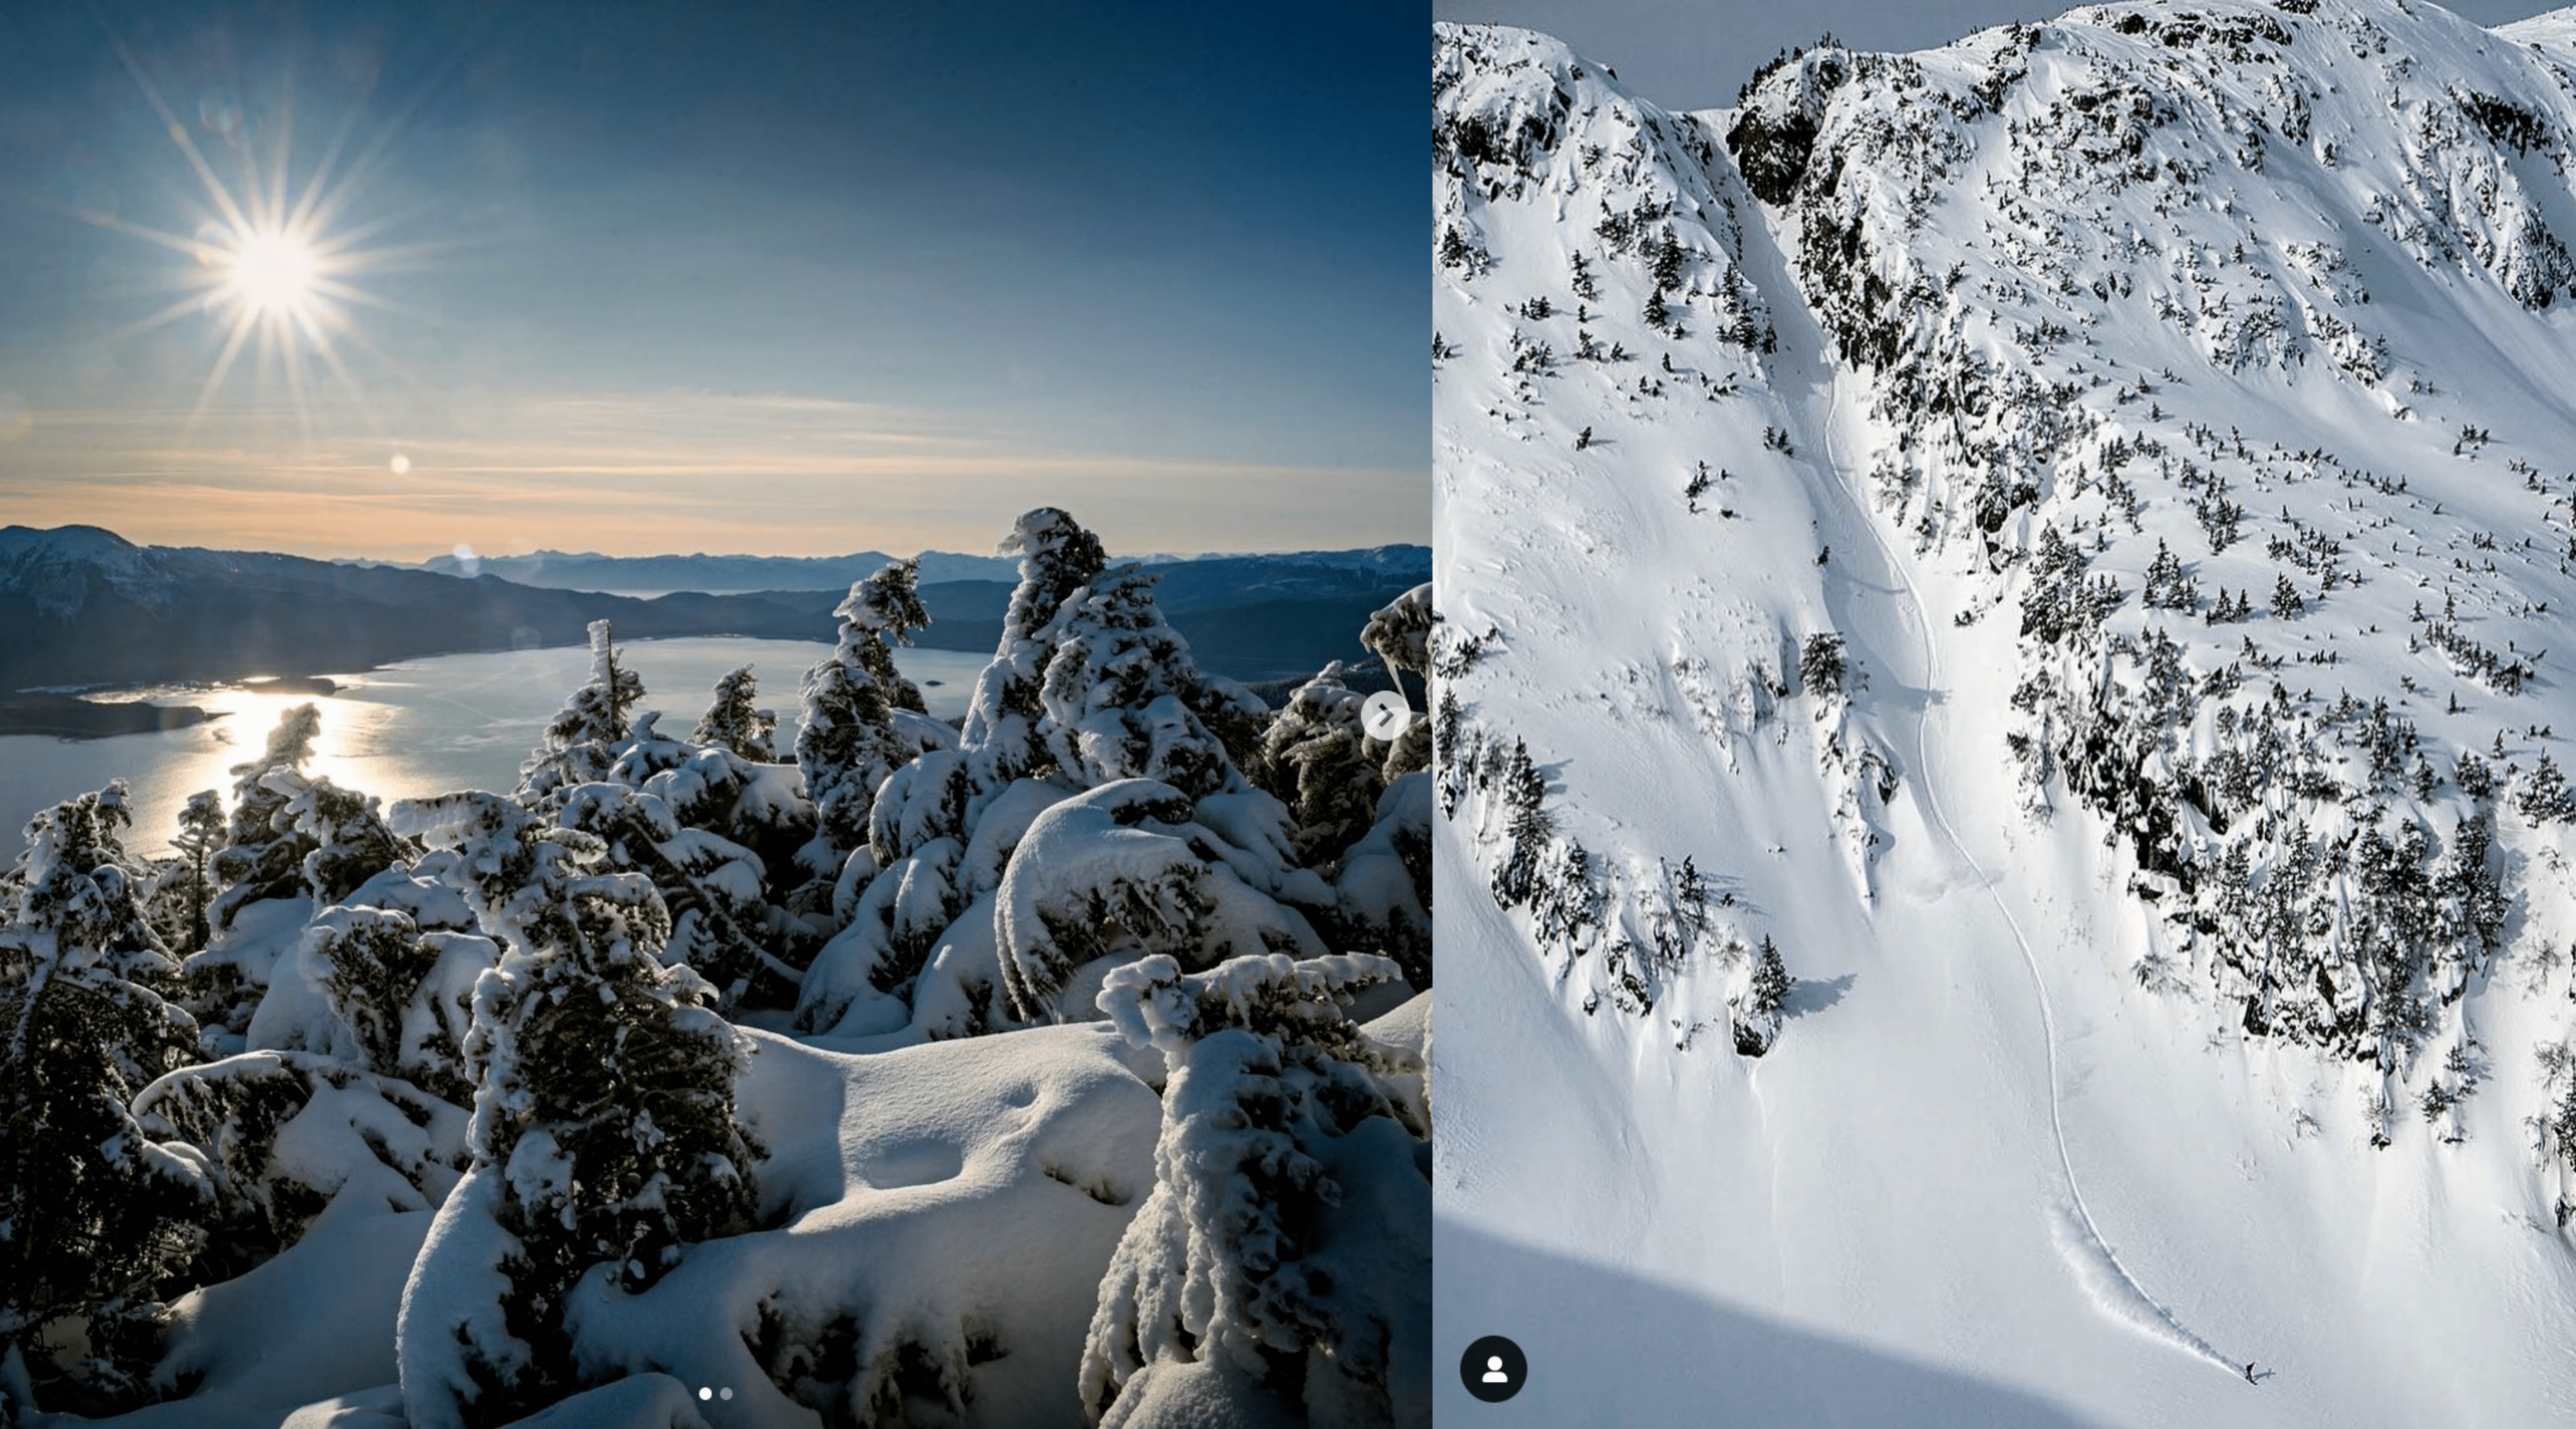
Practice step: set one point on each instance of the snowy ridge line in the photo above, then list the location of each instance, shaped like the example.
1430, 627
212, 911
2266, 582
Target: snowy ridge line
2078, 1238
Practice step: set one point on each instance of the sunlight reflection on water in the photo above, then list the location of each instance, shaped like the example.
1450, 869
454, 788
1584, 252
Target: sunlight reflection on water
416, 728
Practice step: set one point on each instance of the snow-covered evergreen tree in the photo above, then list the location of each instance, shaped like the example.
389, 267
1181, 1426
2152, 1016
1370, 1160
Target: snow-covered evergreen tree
721, 924
280, 1135
1122, 698
93, 1212
350, 841
186, 888
735, 721
863, 721
296, 841
1058, 557
399, 994
1765, 997
1315, 758
1123, 871
1382, 892
263, 857
1400, 634
885, 611
1821, 665
1280, 1271
604, 1123
2543, 797
753, 816
582, 742
1089, 691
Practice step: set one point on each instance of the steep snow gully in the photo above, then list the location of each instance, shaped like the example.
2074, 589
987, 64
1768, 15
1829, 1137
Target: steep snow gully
2078, 1238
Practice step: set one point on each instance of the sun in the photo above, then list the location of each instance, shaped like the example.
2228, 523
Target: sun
280, 267
272, 275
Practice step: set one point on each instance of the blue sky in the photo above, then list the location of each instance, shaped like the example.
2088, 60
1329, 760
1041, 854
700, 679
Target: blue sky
1694, 54
654, 276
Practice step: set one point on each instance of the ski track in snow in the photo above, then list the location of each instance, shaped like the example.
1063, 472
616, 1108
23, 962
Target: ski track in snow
2079, 1241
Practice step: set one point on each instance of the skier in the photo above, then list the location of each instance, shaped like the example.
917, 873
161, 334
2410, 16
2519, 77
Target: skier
2249, 1373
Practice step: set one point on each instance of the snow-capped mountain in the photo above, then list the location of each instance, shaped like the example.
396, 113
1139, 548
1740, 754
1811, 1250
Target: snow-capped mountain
2007, 608
56, 569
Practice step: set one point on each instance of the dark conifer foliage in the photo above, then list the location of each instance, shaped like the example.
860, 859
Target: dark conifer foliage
605, 1104
94, 1214
734, 721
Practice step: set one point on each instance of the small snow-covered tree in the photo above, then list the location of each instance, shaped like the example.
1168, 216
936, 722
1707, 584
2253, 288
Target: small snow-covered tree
604, 1123
296, 841
1089, 683
263, 857
747, 806
1382, 891
734, 721
93, 1212
885, 611
1758, 1009
2473, 776
2167, 587
711, 887
2286, 601
190, 887
1526, 825
1821, 665
863, 721
398, 993
282, 1134
1280, 1269
582, 741
1314, 757
2543, 797
1090, 698
350, 840
1058, 557
1399, 632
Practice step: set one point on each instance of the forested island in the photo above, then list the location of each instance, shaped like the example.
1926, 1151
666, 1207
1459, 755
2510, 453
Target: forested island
73, 717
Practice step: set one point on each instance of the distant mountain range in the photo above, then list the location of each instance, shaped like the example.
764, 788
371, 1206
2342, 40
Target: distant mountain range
722, 575
84, 606
714, 575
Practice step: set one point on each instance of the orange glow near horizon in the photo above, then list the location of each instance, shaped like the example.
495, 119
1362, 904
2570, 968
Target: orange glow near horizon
662, 473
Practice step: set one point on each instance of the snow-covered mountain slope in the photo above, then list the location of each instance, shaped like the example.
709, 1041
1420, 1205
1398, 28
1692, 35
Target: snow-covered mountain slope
55, 569
2063, 539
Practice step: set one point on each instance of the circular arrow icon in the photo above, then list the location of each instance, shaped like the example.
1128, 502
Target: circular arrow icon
1386, 716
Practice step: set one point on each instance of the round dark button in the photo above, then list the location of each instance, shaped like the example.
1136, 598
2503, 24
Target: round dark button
1494, 1369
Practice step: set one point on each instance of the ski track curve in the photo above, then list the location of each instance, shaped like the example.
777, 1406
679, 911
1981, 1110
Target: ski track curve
2096, 1266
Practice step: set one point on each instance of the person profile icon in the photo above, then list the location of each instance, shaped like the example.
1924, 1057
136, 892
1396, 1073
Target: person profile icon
1493, 1369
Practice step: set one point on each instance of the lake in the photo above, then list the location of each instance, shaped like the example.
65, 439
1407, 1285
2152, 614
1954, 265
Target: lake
418, 727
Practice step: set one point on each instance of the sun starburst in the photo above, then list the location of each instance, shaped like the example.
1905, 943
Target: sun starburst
273, 274
279, 272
